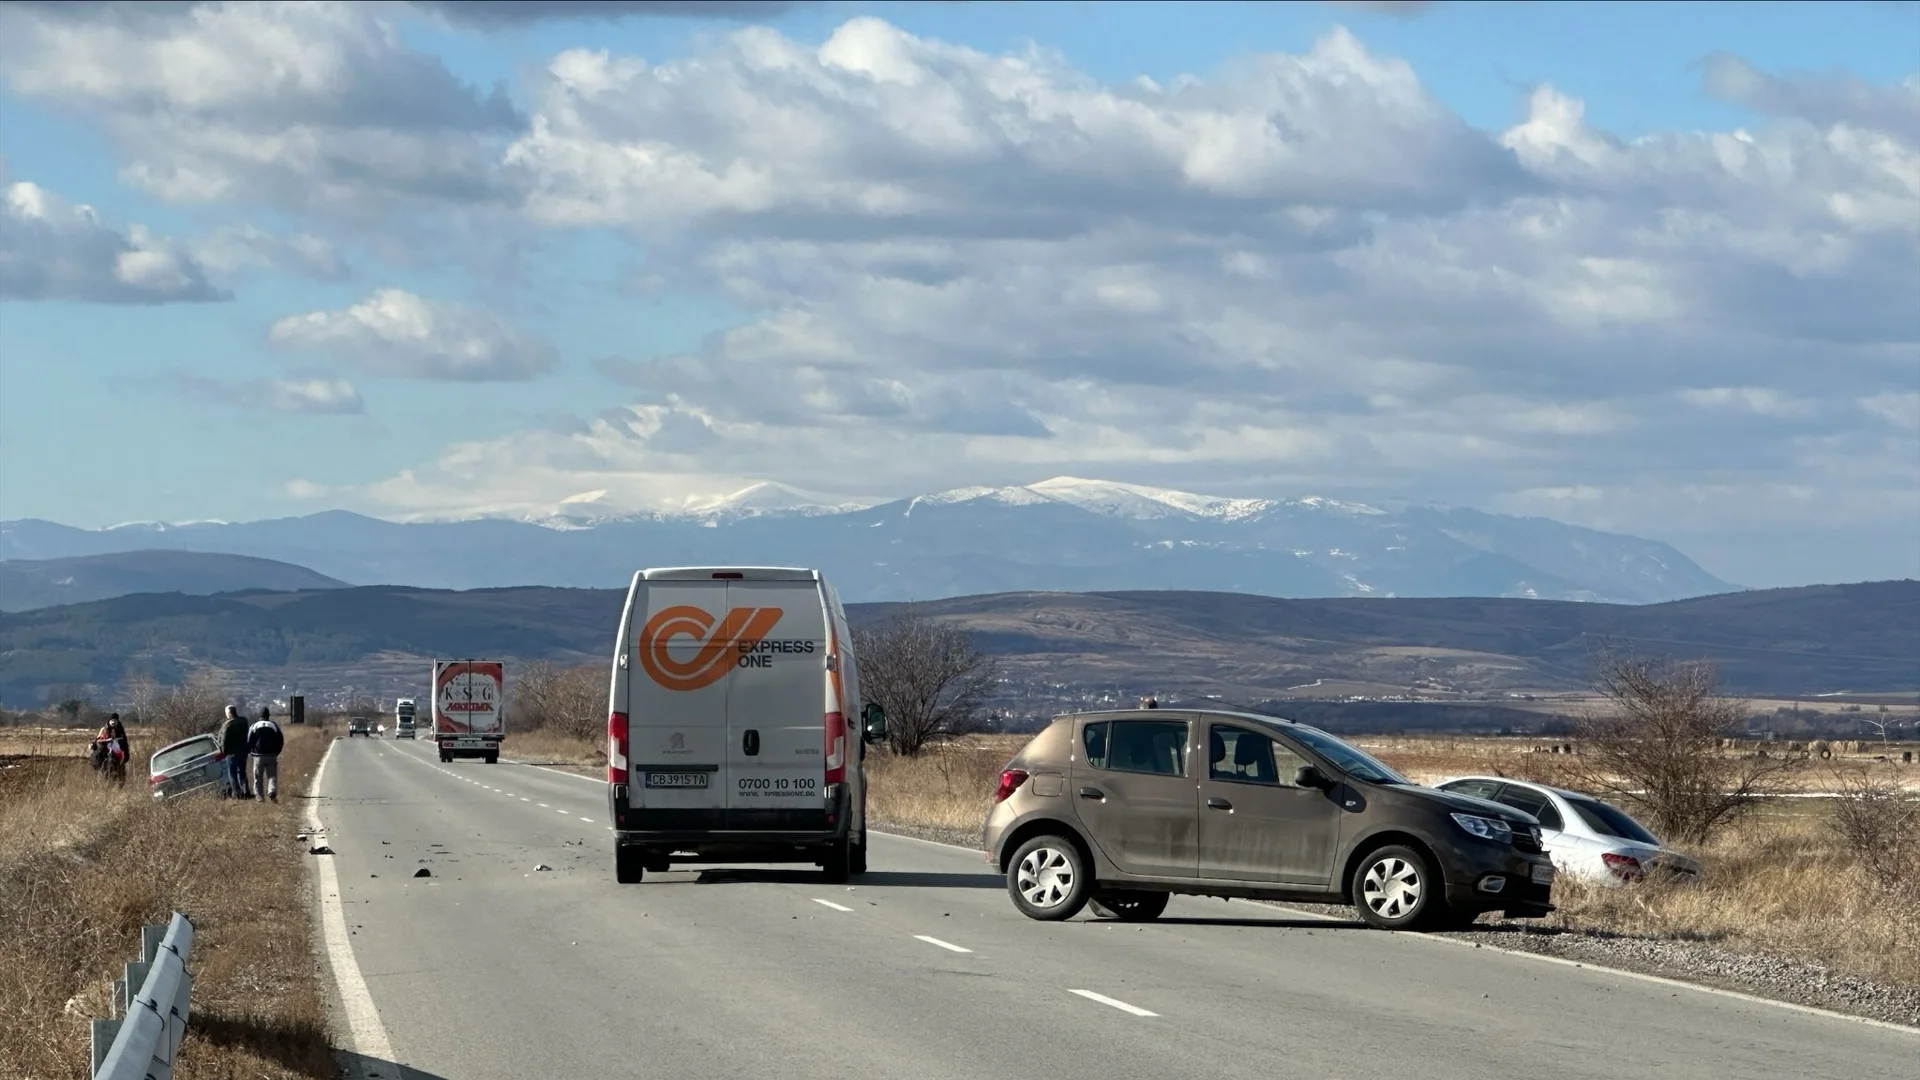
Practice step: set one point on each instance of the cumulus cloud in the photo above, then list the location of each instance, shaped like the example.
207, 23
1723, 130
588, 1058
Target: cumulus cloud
393, 332
313, 394
53, 249
489, 14
230, 249
311, 108
1302, 272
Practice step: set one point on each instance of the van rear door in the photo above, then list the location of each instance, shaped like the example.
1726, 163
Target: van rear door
677, 682
776, 698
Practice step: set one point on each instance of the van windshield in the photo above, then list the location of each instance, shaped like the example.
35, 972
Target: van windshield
1351, 760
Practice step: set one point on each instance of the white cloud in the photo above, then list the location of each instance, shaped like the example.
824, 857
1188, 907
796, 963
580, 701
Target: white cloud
311, 108
393, 332
53, 249
231, 249
309, 394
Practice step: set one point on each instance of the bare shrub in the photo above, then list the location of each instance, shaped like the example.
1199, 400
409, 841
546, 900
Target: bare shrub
1878, 822
570, 702
1657, 746
928, 677
175, 712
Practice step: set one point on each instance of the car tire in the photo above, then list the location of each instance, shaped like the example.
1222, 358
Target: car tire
838, 864
628, 864
857, 859
1397, 888
1048, 878
1130, 905
445, 759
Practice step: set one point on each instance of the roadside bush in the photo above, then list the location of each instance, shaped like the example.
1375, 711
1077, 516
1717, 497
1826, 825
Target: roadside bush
569, 702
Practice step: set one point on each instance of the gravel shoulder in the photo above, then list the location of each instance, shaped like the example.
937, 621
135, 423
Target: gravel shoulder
1760, 974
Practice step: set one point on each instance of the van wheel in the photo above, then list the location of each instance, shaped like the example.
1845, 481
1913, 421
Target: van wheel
1047, 878
857, 860
838, 864
628, 865
1129, 905
1394, 888
493, 759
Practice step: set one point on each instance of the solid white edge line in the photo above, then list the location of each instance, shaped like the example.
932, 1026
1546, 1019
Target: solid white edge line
365, 1034
1105, 1000
831, 904
947, 945
1681, 984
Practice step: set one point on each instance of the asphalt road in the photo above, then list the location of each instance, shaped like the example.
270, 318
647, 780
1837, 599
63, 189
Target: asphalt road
491, 968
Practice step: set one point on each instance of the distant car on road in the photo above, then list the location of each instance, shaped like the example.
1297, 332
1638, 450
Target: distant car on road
1589, 839
190, 765
1123, 809
359, 725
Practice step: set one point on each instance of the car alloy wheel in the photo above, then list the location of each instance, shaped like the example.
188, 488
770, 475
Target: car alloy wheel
1394, 888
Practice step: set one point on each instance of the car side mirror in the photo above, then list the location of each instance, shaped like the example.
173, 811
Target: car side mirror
873, 722
1310, 776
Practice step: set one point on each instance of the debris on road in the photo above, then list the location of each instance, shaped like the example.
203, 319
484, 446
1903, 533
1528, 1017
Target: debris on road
321, 850
423, 872
542, 866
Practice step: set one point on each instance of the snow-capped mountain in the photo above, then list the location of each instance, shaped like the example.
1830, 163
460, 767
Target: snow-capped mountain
1066, 533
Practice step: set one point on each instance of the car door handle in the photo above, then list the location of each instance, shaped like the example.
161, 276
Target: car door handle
1092, 793
1219, 804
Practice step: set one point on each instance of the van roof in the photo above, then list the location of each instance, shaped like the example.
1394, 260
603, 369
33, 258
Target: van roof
740, 573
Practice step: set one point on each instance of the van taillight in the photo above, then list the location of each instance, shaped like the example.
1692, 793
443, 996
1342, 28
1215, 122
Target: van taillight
836, 728
617, 748
1010, 781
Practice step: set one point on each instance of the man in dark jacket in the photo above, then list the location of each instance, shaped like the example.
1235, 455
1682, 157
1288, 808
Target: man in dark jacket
233, 744
264, 742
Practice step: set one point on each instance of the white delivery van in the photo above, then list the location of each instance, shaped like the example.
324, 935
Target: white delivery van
728, 732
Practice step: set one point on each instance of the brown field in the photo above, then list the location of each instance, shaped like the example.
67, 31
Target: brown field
84, 865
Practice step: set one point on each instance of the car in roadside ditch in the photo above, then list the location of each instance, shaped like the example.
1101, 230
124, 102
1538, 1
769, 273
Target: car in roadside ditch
1124, 809
189, 765
359, 725
1585, 837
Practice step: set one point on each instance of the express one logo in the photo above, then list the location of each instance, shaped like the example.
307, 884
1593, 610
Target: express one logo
738, 640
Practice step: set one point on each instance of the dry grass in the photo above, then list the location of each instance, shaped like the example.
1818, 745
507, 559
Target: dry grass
84, 865
544, 746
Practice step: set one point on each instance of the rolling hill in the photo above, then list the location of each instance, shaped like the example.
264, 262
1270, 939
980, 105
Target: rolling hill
376, 639
26, 584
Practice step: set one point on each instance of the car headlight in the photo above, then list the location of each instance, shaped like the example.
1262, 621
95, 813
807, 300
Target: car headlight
1485, 828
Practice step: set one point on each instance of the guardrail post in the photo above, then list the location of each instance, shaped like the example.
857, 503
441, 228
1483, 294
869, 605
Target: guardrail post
103, 1034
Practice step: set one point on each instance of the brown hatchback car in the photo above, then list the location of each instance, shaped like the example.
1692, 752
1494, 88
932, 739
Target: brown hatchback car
1123, 809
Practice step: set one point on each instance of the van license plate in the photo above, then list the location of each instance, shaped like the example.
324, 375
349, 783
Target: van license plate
1543, 875
676, 779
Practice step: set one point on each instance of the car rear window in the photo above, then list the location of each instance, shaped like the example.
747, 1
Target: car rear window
1610, 821
175, 756
1534, 803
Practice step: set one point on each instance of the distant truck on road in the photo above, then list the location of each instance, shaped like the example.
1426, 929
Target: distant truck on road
403, 718
469, 708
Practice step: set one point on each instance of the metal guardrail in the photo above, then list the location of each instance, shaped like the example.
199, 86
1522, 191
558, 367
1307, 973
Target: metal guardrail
152, 1003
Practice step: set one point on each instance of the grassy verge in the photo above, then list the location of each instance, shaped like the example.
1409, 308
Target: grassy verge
83, 866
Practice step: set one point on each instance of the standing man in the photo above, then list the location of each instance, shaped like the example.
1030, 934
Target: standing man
233, 744
264, 742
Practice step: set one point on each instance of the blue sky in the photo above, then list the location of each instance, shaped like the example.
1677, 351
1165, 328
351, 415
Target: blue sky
761, 327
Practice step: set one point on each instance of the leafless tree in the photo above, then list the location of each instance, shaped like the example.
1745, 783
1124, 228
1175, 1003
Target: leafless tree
1657, 746
1884, 722
175, 712
928, 677
567, 701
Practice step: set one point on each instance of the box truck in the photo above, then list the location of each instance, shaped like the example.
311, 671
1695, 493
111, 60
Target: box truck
469, 708
403, 718
734, 727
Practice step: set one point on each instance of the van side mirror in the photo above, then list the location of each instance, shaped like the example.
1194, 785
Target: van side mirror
873, 722
1310, 776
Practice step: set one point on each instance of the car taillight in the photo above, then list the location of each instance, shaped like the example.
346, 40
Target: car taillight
156, 778
617, 748
1624, 867
1010, 781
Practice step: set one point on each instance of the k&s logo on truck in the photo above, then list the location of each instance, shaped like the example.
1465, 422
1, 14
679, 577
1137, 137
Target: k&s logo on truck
739, 640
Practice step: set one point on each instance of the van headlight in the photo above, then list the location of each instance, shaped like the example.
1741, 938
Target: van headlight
1485, 828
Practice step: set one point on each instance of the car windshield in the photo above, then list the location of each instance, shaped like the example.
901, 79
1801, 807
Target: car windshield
1609, 821
175, 756
1351, 760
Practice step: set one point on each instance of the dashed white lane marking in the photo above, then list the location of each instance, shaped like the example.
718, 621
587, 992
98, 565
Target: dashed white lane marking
831, 904
947, 945
588, 820
543, 806
1121, 1005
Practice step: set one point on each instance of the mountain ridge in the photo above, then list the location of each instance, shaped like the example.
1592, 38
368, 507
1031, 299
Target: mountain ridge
1066, 533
